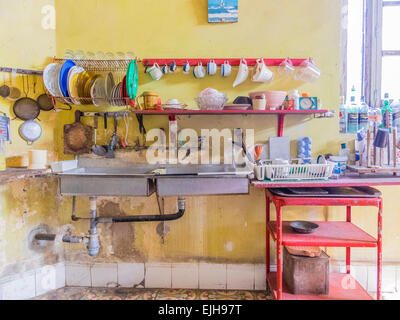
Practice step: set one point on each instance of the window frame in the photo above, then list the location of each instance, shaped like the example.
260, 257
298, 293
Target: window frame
373, 52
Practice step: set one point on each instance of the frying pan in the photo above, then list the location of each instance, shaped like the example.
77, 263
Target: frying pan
44, 101
77, 137
26, 108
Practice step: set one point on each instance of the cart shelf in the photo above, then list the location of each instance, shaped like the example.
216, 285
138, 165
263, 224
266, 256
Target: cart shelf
329, 234
342, 286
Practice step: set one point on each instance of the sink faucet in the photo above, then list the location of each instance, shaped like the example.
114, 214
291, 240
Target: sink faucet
239, 141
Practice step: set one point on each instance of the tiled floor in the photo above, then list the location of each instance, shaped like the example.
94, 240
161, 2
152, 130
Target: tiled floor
83, 293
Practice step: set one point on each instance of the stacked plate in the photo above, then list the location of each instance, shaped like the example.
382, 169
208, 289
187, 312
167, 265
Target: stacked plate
73, 84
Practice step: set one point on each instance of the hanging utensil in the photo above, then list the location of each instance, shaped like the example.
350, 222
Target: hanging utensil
44, 101
4, 89
96, 149
26, 108
77, 137
113, 142
15, 93
30, 131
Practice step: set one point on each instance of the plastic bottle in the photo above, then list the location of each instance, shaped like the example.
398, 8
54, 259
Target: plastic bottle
342, 116
363, 120
352, 115
387, 122
294, 99
344, 151
396, 114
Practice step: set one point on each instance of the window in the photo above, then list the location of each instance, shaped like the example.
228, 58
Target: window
373, 50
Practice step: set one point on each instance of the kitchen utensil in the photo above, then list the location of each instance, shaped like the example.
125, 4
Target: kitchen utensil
242, 74
226, 69
109, 84
113, 142
307, 72
26, 108
303, 226
72, 80
68, 64
258, 151
150, 100
97, 149
132, 77
211, 68
173, 104
242, 100
286, 68
77, 137
261, 72
198, 71
186, 67
30, 131
211, 99
51, 76
275, 99
124, 141
259, 172
382, 138
237, 107
154, 71
44, 101
37, 159
4, 89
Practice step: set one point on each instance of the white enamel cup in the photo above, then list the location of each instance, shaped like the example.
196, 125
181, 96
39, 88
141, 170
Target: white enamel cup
226, 69
199, 71
211, 68
155, 72
262, 73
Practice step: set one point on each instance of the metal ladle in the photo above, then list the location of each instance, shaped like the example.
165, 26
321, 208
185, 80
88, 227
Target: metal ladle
96, 149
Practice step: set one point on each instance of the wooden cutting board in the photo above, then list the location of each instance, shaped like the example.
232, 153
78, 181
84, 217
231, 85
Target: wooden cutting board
77, 137
304, 251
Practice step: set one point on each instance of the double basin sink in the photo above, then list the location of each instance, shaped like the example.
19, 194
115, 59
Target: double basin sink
178, 180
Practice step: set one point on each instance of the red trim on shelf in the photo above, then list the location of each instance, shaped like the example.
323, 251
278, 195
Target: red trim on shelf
219, 61
228, 112
342, 286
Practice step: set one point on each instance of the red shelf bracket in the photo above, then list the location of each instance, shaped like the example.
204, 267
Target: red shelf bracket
281, 121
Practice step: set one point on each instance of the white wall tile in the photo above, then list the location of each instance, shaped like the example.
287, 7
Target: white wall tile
212, 276
398, 279
50, 277
260, 282
388, 279
130, 274
158, 275
77, 275
185, 275
240, 277
104, 275
20, 287
360, 273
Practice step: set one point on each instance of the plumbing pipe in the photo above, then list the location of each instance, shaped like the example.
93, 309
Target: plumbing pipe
147, 218
45, 236
52, 237
93, 244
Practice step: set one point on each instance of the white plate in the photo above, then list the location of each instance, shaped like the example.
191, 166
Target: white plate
74, 70
98, 92
51, 76
109, 84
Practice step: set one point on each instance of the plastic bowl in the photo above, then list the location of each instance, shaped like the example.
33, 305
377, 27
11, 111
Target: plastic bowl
275, 99
212, 102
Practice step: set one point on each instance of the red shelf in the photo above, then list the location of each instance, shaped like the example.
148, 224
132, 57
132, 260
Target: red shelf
336, 289
229, 112
329, 234
219, 61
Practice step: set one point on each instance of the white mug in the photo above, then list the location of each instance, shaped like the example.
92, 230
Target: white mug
211, 68
308, 72
262, 73
226, 69
155, 72
199, 71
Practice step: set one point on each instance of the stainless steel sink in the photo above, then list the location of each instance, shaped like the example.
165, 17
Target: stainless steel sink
144, 180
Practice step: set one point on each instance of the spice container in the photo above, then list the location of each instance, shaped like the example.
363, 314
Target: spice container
259, 102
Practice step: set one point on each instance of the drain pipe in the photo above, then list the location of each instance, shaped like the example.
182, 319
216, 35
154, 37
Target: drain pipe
92, 239
93, 244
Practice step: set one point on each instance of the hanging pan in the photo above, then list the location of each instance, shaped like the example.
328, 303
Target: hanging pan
44, 101
26, 108
4, 89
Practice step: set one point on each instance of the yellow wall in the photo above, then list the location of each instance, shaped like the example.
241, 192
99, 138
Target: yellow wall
216, 228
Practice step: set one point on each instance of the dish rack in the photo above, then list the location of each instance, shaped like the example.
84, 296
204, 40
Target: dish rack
277, 172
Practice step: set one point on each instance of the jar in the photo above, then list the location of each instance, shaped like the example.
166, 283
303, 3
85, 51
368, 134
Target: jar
259, 102
294, 100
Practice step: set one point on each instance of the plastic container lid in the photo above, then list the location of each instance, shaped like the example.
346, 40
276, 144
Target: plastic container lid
338, 159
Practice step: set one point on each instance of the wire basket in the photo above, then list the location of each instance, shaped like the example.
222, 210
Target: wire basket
299, 171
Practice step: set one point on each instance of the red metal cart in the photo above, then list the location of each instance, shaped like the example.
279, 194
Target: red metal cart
329, 234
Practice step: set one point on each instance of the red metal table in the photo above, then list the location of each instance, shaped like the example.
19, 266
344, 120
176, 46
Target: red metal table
329, 234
